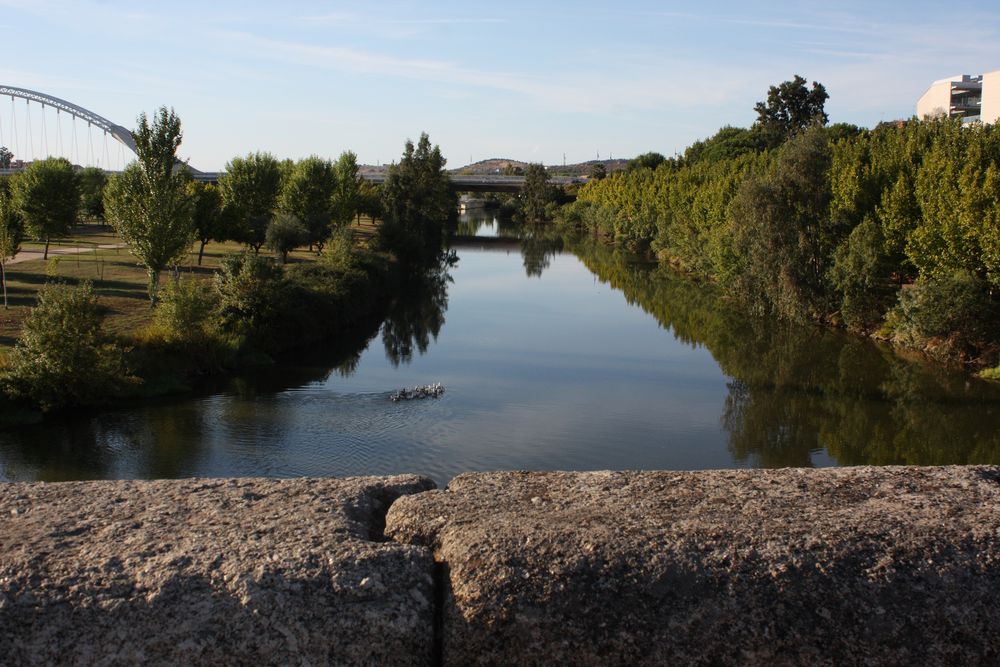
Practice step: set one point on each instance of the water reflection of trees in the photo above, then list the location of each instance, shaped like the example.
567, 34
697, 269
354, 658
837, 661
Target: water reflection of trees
797, 391
417, 314
539, 243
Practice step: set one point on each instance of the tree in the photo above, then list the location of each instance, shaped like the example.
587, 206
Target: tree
6, 157
650, 160
790, 108
726, 144
250, 190
535, 193
417, 200
285, 233
784, 233
11, 233
63, 357
47, 197
148, 204
211, 222
598, 171
307, 195
92, 183
347, 194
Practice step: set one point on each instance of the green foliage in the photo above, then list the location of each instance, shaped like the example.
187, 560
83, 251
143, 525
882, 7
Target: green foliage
148, 203
346, 200
11, 232
862, 273
828, 226
536, 193
417, 201
650, 160
187, 313
92, 181
285, 233
210, 220
790, 108
726, 144
958, 310
784, 233
598, 171
6, 157
48, 199
247, 286
62, 357
250, 190
307, 195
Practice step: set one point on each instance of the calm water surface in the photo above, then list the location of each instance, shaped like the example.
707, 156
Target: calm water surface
554, 355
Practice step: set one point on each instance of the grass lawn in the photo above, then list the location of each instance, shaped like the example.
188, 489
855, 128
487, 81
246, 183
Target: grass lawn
118, 278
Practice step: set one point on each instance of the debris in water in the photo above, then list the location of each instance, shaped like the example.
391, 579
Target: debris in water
427, 391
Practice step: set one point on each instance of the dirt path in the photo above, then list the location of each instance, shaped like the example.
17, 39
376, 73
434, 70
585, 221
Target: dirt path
29, 255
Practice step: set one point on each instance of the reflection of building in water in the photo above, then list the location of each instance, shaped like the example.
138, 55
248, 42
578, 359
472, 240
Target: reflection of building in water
965, 96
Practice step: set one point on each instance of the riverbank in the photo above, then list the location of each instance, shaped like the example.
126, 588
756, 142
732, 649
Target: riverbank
887, 566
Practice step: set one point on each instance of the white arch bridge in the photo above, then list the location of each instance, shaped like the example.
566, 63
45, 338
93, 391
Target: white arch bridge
36, 132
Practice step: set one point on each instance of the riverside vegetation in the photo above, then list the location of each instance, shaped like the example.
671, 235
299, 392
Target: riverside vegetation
892, 232
250, 307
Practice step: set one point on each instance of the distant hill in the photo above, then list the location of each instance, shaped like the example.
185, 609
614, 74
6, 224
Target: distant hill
499, 165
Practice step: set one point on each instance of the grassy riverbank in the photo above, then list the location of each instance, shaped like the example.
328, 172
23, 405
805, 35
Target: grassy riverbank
310, 298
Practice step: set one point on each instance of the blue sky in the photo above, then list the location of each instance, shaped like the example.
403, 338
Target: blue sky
527, 80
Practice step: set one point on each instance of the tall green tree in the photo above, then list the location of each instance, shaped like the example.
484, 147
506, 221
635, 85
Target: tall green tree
48, 198
148, 203
790, 107
417, 201
251, 188
783, 231
536, 193
211, 222
92, 183
347, 195
11, 232
307, 195
6, 157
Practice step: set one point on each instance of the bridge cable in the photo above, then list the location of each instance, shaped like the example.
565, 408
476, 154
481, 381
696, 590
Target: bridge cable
90, 144
45, 133
13, 124
107, 156
75, 147
28, 137
59, 143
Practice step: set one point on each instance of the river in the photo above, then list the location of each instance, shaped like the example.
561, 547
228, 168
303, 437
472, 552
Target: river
554, 355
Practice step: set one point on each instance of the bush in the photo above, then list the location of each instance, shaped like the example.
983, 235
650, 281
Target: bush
62, 358
955, 310
247, 286
187, 311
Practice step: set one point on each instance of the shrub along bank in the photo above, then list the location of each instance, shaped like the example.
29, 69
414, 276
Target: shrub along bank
893, 232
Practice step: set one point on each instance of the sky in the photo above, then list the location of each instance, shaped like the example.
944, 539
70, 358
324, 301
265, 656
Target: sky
535, 81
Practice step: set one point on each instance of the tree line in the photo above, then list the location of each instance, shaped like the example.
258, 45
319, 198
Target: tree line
251, 306
893, 231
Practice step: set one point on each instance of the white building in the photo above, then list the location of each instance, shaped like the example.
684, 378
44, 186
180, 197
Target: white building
965, 96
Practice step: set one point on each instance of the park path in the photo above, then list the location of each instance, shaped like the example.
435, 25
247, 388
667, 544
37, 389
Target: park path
28, 255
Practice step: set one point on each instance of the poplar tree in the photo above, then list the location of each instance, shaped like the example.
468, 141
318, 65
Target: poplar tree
148, 204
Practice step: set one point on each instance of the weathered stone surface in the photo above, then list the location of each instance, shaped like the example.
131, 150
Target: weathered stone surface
846, 566
229, 571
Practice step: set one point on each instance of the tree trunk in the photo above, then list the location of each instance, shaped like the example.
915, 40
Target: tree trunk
45, 255
3, 279
201, 251
154, 288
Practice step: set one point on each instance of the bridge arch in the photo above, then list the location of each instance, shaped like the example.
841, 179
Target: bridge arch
117, 131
